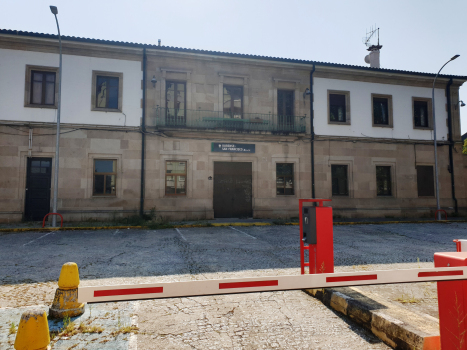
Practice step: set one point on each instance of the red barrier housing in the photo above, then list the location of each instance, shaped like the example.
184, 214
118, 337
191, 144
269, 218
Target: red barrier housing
321, 254
452, 303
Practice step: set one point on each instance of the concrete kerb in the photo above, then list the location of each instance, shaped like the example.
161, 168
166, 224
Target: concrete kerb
393, 324
245, 224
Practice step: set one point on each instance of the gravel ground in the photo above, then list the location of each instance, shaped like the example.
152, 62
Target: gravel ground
30, 263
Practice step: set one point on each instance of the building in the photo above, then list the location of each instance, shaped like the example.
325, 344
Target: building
199, 134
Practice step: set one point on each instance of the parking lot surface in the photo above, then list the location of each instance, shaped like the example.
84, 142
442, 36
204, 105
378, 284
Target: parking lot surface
30, 263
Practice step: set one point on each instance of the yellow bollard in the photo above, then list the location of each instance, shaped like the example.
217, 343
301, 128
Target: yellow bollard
66, 296
33, 331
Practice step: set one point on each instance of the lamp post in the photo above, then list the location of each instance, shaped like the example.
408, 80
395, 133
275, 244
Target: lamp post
54, 10
434, 134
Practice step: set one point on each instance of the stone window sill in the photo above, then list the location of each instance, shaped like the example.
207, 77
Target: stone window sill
382, 126
41, 106
339, 123
116, 110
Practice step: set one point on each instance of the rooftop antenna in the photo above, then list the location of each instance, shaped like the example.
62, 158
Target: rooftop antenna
373, 58
373, 32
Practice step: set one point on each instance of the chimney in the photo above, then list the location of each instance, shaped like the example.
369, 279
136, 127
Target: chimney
159, 42
373, 58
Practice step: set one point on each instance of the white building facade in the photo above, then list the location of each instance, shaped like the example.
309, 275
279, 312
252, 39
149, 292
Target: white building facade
196, 134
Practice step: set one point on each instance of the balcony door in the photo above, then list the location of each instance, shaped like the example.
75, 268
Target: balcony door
233, 107
285, 110
175, 94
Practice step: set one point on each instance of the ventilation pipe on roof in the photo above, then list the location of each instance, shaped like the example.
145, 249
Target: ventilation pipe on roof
373, 58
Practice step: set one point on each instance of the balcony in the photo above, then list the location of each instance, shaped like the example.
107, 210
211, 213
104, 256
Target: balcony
170, 118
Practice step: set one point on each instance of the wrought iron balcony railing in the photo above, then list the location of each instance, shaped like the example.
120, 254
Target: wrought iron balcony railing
211, 120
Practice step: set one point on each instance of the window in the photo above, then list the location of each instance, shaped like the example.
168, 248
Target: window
339, 180
338, 107
383, 181
41, 87
285, 110
382, 110
105, 175
233, 102
422, 113
175, 95
425, 181
106, 91
284, 179
175, 178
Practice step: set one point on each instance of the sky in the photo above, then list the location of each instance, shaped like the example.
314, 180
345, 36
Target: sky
417, 35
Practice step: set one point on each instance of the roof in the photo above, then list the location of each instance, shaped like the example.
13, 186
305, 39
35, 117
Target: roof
219, 53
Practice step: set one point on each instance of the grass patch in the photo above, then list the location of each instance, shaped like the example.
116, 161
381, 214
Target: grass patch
68, 329
83, 328
125, 330
133, 220
12, 329
406, 299
159, 223
281, 221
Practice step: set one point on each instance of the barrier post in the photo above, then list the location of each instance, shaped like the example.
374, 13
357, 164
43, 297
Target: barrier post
452, 303
66, 296
316, 231
33, 331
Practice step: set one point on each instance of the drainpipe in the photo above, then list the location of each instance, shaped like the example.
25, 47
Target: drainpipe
312, 132
143, 134
451, 143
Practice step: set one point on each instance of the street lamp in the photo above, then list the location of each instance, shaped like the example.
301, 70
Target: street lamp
54, 10
434, 135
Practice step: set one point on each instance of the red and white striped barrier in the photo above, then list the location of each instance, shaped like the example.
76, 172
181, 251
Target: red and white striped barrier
97, 294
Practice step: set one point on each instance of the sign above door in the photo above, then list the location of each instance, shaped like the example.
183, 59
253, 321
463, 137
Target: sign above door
232, 147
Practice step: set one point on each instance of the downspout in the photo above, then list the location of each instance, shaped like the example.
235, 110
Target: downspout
451, 143
143, 135
312, 133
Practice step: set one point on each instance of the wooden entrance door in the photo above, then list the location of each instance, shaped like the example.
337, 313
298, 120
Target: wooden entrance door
232, 190
39, 175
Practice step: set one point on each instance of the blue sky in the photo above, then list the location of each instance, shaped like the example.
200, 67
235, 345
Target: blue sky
416, 35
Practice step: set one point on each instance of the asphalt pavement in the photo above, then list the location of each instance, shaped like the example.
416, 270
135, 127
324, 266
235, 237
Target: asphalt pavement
30, 263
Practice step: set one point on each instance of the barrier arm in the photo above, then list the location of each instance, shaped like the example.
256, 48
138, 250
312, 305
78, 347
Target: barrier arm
97, 294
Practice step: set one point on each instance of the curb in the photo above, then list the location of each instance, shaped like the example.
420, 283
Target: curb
394, 325
245, 224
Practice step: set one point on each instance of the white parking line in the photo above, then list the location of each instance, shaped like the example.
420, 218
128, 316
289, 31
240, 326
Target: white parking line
38, 238
181, 234
233, 228
133, 341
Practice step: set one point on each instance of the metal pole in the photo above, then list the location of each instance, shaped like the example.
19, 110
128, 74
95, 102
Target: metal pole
57, 143
434, 136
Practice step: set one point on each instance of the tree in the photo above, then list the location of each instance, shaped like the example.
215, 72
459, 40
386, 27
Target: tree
464, 150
